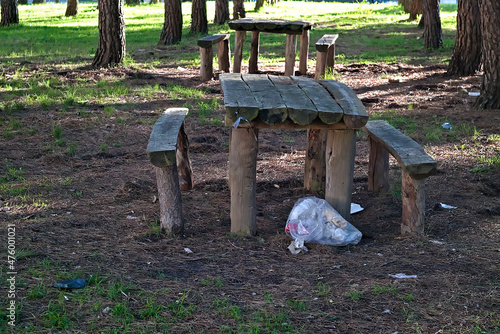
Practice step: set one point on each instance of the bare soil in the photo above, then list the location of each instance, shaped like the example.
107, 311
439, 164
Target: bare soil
93, 213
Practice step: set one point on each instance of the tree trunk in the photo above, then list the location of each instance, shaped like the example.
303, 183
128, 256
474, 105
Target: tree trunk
258, 5
467, 52
38, 1
415, 9
23, 2
172, 26
490, 26
432, 24
111, 47
199, 23
153, 2
10, 15
72, 8
238, 9
221, 11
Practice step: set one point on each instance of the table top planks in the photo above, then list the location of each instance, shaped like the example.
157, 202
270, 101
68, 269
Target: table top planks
270, 26
282, 101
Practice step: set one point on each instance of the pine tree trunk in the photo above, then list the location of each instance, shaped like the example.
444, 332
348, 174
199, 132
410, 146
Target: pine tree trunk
172, 26
111, 47
221, 11
238, 9
72, 8
38, 1
23, 2
258, 5
10, 15
415, 9
490, 25
467, 52
432, 24
199, 23
153, 2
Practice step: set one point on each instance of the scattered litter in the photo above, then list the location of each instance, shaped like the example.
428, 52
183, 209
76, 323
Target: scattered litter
141, 50
106, 310
314, 220
66, 298
401, 275
446, 206
75, 283
187, 250
387, 311
474, 93
436, 242
131, 217
181, 68
446, 126
355, 208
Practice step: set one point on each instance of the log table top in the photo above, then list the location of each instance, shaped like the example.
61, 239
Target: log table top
294, 102
271, 26
260, 101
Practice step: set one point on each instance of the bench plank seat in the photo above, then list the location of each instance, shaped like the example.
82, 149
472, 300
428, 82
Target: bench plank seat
208, 41
325, 42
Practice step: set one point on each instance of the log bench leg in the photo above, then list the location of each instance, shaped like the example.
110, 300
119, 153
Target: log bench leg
169, 196
378, 167
224, 55
206, 68
314, 174
183, 162
242, 177
290, 53
413, 198
340, 154
304, 52
239, 39
324, 60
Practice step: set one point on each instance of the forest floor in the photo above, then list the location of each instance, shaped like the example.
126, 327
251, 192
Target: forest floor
91, 211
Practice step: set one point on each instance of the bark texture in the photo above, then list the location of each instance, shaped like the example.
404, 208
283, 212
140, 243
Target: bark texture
468, 50
71, 8
199, 23
172, 26
111, 47
432, 24
490, 25
238, 9
221, 11
413, 7
10, 15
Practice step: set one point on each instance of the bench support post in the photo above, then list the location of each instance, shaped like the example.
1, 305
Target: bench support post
413, 198
206, 69
314, 176
378, 167
242, 178
304, 51
239, 39
340, 154
224, 54
169, 196
290, 52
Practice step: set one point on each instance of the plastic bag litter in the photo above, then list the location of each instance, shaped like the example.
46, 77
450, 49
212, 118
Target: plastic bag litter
314, 220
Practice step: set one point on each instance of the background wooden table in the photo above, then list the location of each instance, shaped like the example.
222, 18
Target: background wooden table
259, 101
256, 26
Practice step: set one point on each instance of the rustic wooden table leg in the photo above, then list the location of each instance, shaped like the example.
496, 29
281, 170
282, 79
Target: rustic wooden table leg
239, 39
253, 66
290, 52
340, 153
314, 174
242, 178
304, 51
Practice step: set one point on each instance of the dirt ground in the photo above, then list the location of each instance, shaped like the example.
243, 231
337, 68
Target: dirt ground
94, 213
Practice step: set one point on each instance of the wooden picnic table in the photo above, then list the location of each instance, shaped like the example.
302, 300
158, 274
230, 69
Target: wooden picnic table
256, 26
259, 101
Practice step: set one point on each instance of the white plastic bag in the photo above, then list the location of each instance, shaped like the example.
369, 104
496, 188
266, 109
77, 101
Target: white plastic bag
314, 220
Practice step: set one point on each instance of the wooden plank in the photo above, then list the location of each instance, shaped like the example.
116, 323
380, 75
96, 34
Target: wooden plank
325, 42
410, 155
163, 139
300, 108
208, 41
273, 109
242, 177
238, 99
355, 115
289, 124
328, 109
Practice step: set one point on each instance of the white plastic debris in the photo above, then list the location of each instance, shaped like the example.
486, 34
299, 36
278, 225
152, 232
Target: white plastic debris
355, 208
402, 276
446, 126
474, 93
131, 217
446, 206
187, 250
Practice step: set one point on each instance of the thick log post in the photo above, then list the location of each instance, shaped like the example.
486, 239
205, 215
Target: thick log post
253, 66
340, 153
413, 198
320, 65
239, 39
206, 69
290, 53
183, 162
224, 55
242, 178
304, 52
314, 176
378, 167
169, 196
330, 57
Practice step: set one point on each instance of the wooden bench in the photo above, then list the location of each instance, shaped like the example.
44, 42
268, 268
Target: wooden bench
168, 150
416, 166
206, 53
325, 54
